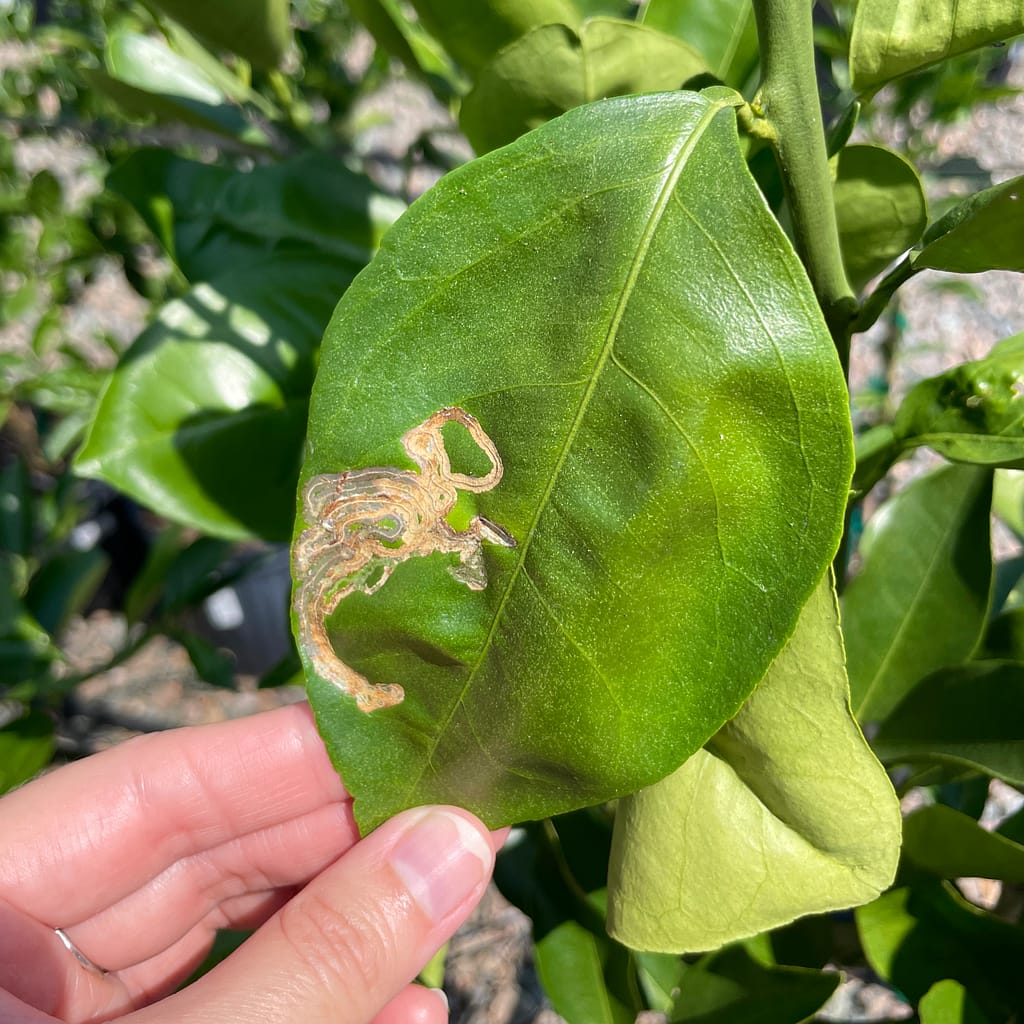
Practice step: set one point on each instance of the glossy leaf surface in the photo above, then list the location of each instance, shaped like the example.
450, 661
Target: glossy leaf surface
981, 233
613, 302
204, 417
723, 31
880, 208
554, 68
918, 935
785, 812
953, 845
892, 39
921, 598
973, 412
967, 716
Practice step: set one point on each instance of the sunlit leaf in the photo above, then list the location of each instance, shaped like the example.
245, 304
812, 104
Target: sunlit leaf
948, 1002
575, 291
893, 37
554, 68
26, 746
784, 812
920, 600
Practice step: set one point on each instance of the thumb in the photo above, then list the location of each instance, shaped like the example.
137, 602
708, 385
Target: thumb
356, 935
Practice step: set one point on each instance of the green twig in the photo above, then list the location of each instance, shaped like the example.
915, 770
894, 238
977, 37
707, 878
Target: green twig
787, 106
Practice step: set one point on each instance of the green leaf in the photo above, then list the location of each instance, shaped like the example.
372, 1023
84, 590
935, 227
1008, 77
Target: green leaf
473, 31
574, 291
257, 30
722, 31
15, 508
952, 845
554, 68
877, 449
892, 39
212, 665
732, 987
1004, 637
208, 218
947, 1002
64, 586
971, 413
921, 598
204, 417
785, 812
1008, 499
981, 233
967, 716
918, 935
881, 209
26, 746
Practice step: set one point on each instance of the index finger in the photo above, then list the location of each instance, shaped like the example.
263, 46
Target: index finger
88, 834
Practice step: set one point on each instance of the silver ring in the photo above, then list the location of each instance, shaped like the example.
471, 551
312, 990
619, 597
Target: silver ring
78, 954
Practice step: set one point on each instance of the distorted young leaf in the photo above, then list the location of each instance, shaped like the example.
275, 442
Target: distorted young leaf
722, 31
892, 39
554, 68
968, 716
632, 265
918, 935
785, 812
981, 233
26, 747
880, 208
473, 31
208, 217
920, 600
971, 413
948, 1002
204, 417
732, 987
257, 30
952, 845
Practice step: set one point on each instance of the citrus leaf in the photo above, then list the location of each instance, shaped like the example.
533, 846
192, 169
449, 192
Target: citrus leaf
920, 600
785, 812
611, 299
554, 68
967, 716
973, 412
892, 39
204, 416
26, 746
947, 1002
952, 845
880, 207
981, 233
722, 31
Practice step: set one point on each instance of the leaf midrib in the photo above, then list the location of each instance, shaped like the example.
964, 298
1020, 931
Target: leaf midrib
678, 163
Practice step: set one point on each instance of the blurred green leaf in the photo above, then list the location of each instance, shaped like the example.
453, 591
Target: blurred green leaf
148, 585
210, 218
785, 812
193, 573
212, 665
26, 747
981, 233
204, 417
473, 31
64, 585
257, 30
1008, 499
722, 31
971, 413
948, 1002
921, 934
968, 716
877, 449
554, 68
45, 197
892, 39
15, 508
1004, 637
732, 987
952, 845
920, 600
573, 291
880, 207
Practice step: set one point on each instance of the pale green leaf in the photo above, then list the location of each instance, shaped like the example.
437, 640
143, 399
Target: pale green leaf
785, 812
894, 37
574, 291
948, 1002
920, 600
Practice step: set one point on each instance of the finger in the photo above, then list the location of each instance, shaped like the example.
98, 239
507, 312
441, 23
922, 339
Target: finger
14, 1011
415, 1005
356, 935
86, 836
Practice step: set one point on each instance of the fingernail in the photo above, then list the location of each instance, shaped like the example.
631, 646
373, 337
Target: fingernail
441, 994
442, 860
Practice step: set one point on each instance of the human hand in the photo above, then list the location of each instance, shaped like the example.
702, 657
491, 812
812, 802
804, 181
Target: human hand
140, 853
